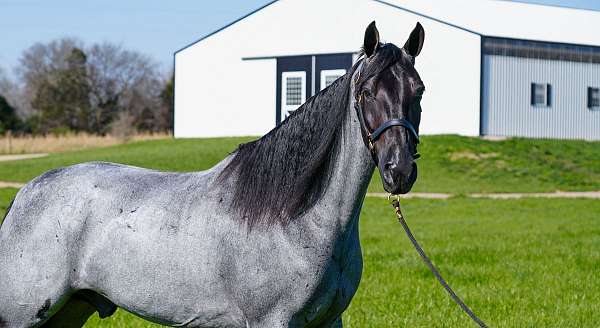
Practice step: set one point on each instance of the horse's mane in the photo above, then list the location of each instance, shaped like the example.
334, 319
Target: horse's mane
284, 173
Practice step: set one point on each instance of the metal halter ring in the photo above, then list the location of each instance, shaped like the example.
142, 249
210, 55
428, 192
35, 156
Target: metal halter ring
392, 197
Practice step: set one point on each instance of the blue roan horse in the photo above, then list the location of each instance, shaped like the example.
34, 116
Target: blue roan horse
266, 238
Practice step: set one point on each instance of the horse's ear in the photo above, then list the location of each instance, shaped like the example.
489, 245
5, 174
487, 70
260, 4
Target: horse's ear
371, 42
414, 44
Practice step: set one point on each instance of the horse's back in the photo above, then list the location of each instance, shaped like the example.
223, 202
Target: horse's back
70, 192
70, 200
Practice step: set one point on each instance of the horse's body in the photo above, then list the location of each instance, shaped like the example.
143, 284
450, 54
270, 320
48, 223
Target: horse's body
176, 249
166, 247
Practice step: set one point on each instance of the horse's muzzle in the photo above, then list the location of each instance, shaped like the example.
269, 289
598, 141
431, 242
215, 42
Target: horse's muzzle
397, 180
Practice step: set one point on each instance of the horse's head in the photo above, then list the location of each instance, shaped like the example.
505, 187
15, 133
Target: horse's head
388, 92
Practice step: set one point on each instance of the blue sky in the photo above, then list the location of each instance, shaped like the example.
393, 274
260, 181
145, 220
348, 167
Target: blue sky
154, 27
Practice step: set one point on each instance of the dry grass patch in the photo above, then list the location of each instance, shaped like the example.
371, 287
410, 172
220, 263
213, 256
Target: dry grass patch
472, 156
68, 142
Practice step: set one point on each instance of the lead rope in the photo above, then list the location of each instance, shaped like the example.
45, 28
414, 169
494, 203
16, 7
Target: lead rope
396, 205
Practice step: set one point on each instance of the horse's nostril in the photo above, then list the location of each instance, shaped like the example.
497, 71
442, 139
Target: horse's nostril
389, 166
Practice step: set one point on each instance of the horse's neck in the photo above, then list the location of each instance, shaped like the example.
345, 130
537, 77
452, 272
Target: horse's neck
352, 173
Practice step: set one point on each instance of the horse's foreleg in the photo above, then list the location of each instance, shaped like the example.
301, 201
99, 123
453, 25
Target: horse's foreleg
79, 308
337, 323
73, 314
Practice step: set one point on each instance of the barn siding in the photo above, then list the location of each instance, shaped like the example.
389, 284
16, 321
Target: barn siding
507, 109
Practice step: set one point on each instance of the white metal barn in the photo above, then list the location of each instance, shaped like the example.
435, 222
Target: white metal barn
490, 67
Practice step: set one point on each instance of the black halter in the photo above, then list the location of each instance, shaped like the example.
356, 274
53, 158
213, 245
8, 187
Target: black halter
372, 137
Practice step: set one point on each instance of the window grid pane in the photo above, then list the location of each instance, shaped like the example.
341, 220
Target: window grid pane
540, 94
293, 91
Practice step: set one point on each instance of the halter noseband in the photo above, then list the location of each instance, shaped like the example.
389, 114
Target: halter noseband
372, 137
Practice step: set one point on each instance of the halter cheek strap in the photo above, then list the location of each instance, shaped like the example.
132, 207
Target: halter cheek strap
372, 137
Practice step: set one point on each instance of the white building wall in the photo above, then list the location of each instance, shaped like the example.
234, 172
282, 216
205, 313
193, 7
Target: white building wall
219, 94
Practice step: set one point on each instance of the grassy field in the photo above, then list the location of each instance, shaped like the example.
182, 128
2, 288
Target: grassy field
518, 263
449, 164
6, 195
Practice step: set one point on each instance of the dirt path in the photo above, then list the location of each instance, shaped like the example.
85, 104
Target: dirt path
426, 195
4, 158
557, 194
4, 184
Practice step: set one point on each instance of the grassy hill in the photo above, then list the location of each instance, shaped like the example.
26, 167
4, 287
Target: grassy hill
449, 164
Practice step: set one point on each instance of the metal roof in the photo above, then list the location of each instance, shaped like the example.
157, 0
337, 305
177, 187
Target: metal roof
510, 19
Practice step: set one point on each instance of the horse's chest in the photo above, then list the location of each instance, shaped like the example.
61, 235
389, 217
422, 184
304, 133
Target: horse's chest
338, 284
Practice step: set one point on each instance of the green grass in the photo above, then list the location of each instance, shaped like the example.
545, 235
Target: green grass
6, 195
449, 164
517, 263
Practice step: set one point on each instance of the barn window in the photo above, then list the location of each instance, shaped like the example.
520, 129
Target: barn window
329, 76
541, 94
293, 92
594, 98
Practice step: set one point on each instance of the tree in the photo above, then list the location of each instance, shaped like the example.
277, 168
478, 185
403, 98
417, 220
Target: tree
5, 83
123, 81
44, 69
168, 100
12, 94
41, 60
62, 97
8, 117
80, 88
